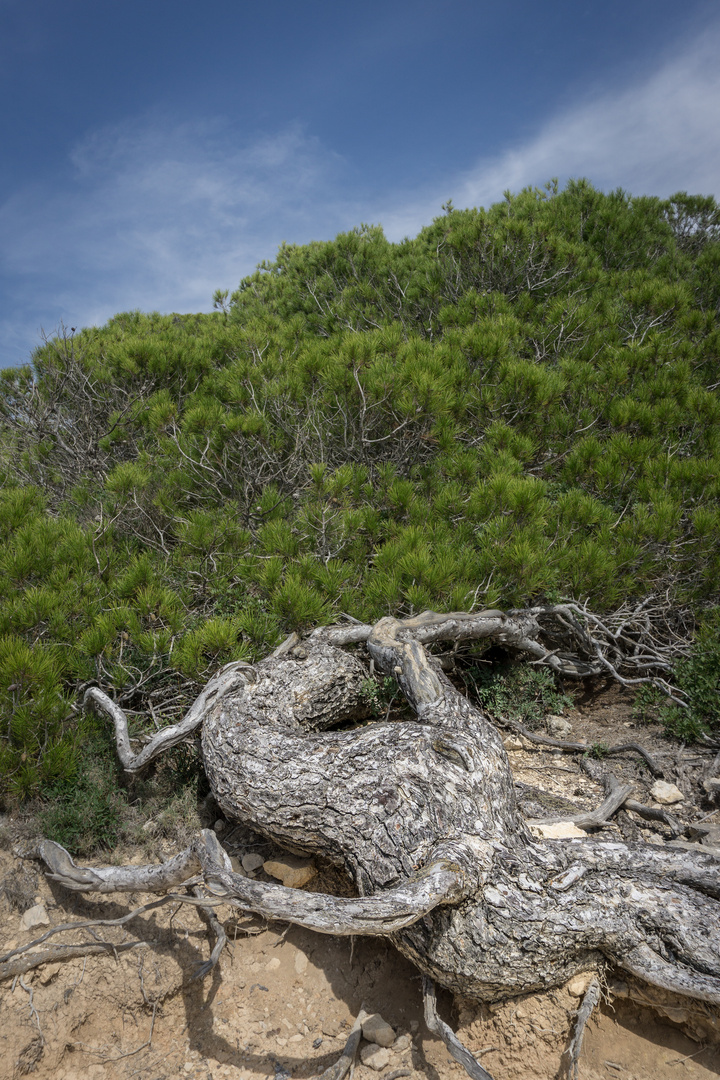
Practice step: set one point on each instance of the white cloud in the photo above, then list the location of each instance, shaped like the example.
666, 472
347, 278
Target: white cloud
157, 216
656, 136
157, 213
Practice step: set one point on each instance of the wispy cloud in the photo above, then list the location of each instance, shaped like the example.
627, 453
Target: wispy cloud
655, 136
156, 213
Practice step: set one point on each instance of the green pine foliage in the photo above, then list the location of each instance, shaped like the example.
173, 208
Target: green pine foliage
518, 404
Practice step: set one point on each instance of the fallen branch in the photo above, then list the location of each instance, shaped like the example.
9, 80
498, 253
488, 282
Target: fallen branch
438, 1027
652, 813
590, 1000
347, 1059
581, 747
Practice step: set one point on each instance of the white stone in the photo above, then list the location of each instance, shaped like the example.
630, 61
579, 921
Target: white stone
512, 743
579, 983
272, 965
402, 1043
34, 916
301, 963
558, 726
374, 1056
252, 861
294, 873
376, 1030
665, 793
48, 973
557, 830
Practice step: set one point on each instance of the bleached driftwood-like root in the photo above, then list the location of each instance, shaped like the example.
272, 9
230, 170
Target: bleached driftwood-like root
521, 631
26, 957
347, 1059
377, 916
227, 679
589, 1001
438, 1027
422, 816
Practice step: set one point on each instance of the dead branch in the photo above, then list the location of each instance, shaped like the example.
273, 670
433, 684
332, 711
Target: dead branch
582, 747
438, 1027
347, 1059
589, 1001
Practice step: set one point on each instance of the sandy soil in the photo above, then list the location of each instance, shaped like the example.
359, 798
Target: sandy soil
282, 1000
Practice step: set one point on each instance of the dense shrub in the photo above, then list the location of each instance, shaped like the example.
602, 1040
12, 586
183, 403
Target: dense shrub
519, 404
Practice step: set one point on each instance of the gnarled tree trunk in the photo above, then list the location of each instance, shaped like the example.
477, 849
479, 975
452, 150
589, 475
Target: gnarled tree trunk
422, 816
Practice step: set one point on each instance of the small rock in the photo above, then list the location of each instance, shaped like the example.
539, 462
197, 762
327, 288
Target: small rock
34, 916
558, 726
712, 786
294, 873
150, 827
705, 834
237, 866
272, 965
376, 1030
48, 973
252, 861
374, 1056
557, 830
414, 1026
512, 743
665, 793
301, 963
331, 1028
402, 1043
579, 983
219, 826
296, 1038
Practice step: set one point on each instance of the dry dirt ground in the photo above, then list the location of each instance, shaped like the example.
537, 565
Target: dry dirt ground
282, 1000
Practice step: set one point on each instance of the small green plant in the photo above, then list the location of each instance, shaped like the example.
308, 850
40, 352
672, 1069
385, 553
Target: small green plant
598, 750
698, 676
648, 704
516, 691
85, 814
379, 694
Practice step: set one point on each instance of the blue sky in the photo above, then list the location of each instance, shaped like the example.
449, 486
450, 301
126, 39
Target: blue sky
154, 151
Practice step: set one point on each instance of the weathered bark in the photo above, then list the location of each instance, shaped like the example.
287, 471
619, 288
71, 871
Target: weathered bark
422, 816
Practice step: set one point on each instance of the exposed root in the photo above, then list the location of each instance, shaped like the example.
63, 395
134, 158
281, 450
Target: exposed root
59, 953
23, 959
226, 680
220, 936
589, 1001
440, 881
652, 813
595, 819
582, 747
347, 1059
648, 965
438, 1027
